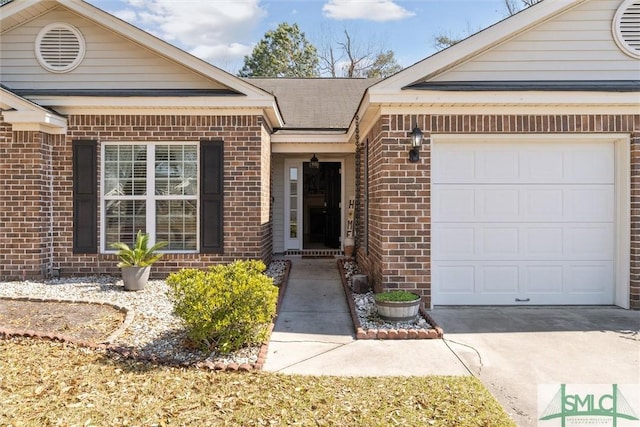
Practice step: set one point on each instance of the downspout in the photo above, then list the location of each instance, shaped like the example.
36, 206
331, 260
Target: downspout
356, 221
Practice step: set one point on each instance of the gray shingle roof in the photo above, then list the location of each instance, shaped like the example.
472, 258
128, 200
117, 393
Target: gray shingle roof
321, 103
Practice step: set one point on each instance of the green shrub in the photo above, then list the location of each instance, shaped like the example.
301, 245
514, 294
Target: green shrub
396, 296
225, 307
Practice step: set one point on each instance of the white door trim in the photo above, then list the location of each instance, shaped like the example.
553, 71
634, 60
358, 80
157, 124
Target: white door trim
298, 162
289, 243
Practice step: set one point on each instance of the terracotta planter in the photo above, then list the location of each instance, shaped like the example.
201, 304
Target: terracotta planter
398, 311
135, 278
349, 247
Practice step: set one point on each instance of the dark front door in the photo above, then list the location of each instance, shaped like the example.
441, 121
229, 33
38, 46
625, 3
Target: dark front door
322, 196
332, 200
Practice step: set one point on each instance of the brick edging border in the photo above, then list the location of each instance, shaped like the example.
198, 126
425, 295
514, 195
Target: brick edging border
129, 315
129, 353
387, 334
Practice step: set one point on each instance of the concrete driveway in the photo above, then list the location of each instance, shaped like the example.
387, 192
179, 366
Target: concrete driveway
514, 349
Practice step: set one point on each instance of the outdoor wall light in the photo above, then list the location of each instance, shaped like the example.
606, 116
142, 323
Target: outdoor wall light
416, 142
314, 163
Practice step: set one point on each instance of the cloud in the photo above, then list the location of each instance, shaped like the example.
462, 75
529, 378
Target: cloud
371, 10
216, 31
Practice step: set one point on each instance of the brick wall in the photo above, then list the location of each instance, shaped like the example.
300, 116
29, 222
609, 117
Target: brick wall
635, 217
26, 211
400, 201
37, 228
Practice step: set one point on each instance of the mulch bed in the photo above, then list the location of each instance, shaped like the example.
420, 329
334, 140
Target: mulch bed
64, 320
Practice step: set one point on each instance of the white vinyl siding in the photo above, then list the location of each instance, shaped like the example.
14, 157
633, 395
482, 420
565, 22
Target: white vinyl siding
110, 61
577, 45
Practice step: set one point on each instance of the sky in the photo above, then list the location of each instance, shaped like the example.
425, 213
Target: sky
222, 32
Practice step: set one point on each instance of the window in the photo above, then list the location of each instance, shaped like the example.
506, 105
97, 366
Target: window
154, 188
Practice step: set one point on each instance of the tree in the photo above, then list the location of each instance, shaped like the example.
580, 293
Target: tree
352, 59
514, 6
283, 52
443, 41
384, 65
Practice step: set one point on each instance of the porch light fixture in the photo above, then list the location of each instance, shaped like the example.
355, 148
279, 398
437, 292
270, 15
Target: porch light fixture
416, 142
314, 163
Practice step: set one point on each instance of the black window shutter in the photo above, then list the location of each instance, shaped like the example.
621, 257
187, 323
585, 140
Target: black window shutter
85, 197
211, 196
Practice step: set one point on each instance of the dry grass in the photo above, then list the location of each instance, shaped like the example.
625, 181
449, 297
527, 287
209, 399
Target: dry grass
46, 383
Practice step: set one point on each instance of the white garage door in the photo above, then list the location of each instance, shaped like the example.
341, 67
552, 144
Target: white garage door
523, 223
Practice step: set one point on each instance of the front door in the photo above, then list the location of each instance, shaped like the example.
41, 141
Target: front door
332, 197
313, 200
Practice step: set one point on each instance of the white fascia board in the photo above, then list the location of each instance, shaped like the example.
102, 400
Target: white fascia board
11, 101
309, 139
172, 53
16, 7
475, 44
311, 148
171, 110
427, 98
35, 121
151, 101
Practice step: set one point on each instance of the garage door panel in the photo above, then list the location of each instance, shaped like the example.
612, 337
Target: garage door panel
498, 278
546, 279
590, 203
543, 204
497, 165
543, 165
543, 242
454, 203
498, 242
514, 203
497, 203
532, 282
592, 163
590, 242
592, 277
529, 163
457, 278
516, 222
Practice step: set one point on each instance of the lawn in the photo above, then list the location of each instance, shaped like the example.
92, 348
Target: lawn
50, 383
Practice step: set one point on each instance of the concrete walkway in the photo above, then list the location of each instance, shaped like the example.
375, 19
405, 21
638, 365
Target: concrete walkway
314, 334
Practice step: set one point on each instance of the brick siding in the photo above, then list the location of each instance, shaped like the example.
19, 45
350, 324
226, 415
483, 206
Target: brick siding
399, 222
36, 191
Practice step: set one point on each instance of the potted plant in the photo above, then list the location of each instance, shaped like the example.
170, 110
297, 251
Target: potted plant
397, 306
135, 263
349, 246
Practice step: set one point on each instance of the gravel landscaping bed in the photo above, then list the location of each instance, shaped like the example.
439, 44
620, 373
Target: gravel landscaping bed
155, 333
371, 326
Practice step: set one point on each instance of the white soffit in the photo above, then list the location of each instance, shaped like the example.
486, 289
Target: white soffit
24, 115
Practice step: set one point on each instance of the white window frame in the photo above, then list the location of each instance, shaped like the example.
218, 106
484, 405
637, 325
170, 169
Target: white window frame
150, 198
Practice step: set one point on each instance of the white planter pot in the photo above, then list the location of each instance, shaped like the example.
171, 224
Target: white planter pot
135, 278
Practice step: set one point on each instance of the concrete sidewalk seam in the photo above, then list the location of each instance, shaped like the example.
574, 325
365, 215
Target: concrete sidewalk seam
447, 341
339, 346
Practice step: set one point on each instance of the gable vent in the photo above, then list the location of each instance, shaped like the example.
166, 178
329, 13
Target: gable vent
626, 28
59, 47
